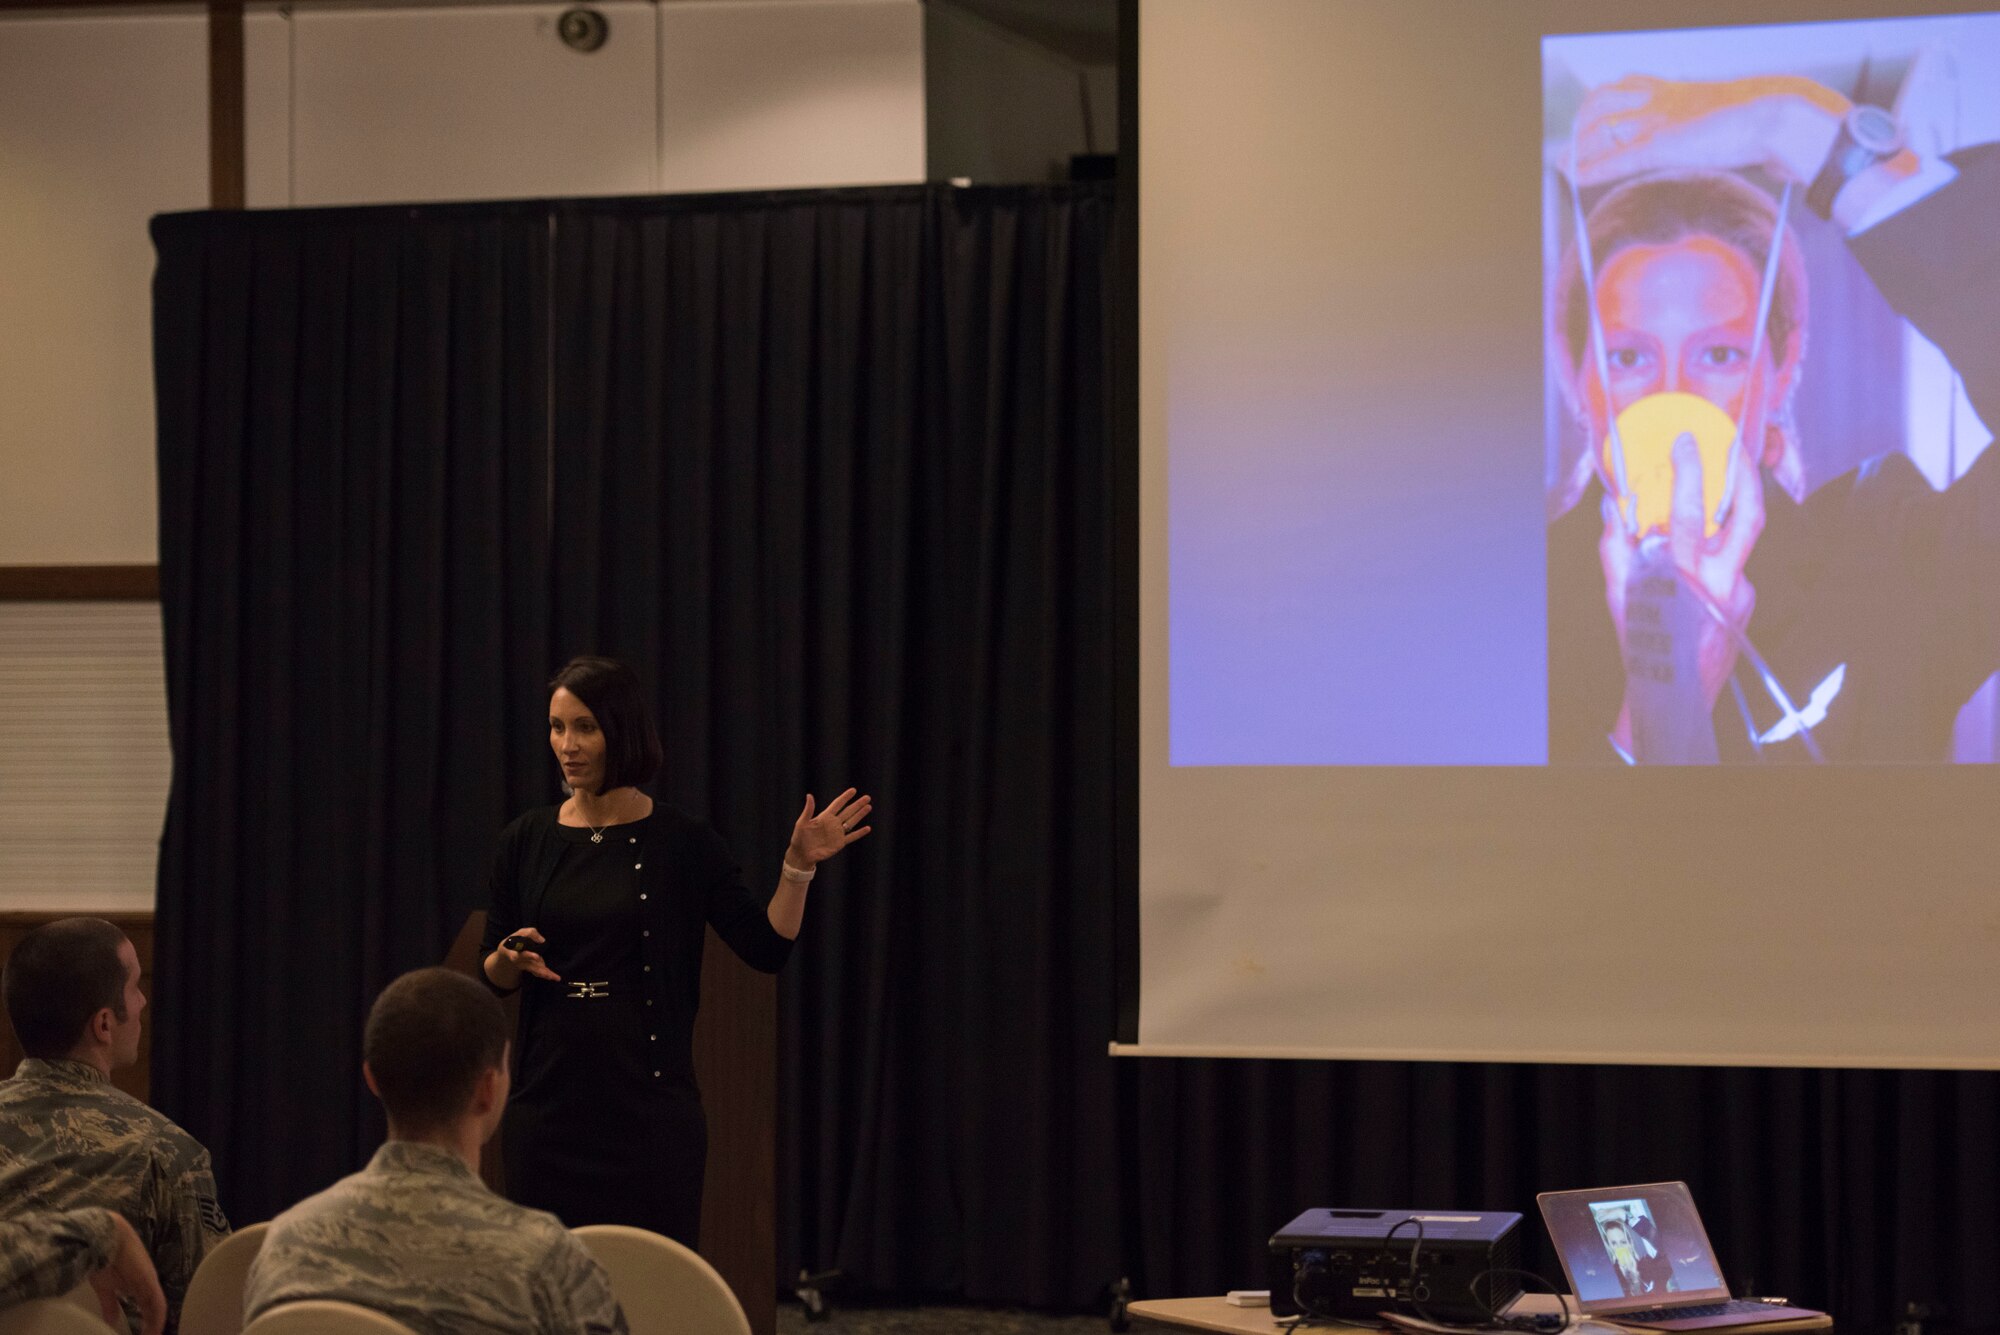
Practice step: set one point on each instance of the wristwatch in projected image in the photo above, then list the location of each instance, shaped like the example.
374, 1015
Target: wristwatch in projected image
1868, 135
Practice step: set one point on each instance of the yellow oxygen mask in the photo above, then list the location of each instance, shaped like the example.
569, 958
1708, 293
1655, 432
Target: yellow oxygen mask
1648, 429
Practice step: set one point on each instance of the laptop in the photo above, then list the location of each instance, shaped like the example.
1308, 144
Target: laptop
1638, 1256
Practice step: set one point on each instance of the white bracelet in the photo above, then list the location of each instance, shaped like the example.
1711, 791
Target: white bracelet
801, 875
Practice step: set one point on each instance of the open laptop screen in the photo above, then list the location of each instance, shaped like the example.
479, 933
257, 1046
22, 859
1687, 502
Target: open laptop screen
1626, 1248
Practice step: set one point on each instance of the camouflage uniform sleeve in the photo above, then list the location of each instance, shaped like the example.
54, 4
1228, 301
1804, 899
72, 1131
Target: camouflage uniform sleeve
186, 1221
46, 1255
576, 1293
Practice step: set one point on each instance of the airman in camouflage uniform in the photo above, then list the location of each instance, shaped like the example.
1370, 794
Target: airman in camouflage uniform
418, 1236
43, 1256
70, 1138
47, 1255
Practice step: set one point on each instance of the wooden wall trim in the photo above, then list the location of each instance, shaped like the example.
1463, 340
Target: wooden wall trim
55, 6
227, 170
79, 584
36, 917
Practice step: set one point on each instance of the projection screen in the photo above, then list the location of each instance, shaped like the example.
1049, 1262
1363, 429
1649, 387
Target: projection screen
1569, 550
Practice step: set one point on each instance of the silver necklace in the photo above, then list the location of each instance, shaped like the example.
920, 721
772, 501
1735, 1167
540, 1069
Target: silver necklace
597, 831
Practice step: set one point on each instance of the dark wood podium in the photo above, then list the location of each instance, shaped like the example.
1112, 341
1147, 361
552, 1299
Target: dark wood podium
736, 1063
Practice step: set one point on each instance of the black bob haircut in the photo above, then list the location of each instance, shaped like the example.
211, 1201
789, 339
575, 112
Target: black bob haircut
58, 978
611, 692
431, 1035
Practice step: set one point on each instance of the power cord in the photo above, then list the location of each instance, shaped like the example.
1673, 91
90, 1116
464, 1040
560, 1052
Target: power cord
1546, 1323
1311, 1312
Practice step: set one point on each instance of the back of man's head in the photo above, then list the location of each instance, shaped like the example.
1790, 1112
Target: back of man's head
431, 1035
59, 976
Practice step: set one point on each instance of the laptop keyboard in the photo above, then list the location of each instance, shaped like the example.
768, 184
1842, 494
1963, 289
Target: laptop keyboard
1734, 1307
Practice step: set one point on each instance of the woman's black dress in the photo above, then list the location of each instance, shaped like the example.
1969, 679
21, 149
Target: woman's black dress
605, 1125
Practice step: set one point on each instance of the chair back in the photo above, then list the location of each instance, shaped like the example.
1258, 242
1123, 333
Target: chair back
55, 1316
323, 1316
214, 1301
664, 1287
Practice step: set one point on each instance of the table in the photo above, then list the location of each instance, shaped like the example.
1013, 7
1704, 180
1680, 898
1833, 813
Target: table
1207, 1314
1217, 1315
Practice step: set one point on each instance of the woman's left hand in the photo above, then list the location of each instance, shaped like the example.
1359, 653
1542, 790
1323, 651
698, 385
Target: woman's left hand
817, 837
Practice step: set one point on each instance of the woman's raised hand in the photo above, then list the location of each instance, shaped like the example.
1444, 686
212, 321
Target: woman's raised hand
527, 961
1642, 124
818, 835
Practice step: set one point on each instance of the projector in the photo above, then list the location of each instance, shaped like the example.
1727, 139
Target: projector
1345, 1264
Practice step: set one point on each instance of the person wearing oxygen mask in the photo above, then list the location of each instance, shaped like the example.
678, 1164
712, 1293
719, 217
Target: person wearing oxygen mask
1624, 1254
1750, 619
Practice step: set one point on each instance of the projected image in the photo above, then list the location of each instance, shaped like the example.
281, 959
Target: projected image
1772, 280
1631, 1243
1636, 1247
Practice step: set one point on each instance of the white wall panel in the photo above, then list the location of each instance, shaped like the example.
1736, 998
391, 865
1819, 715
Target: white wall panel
267, 109
774, 94
481, 102
103, 123
84, 759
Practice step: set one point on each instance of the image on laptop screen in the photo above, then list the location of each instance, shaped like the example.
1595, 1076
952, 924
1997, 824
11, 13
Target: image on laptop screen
1633, 1246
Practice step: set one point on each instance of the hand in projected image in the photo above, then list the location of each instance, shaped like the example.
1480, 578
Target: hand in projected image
1783, 123
1712, 566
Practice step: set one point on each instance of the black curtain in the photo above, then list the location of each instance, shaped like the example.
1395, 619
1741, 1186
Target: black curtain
838, 471
829, 468
836, 467
353, 419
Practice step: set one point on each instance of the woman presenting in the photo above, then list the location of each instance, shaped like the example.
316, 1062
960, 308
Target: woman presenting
598, 914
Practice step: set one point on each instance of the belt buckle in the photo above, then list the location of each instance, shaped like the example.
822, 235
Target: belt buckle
581, 991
